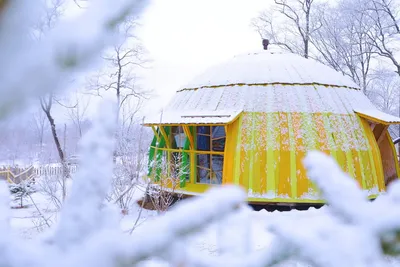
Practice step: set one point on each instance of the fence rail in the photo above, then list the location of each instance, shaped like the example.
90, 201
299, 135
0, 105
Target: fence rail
51, 170
17, 174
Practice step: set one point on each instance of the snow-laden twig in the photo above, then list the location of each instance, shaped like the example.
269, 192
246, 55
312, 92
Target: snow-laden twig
4, 223
81, 214
70, 46
352, 222
135, 224
183, 220
39, 211
108, 247
341, 192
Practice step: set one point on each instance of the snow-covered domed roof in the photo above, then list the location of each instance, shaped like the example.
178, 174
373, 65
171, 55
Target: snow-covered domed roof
266, 81
270, 67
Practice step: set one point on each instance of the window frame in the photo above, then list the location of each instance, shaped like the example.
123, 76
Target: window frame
190, 132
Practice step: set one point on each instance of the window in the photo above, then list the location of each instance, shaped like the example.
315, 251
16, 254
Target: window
179, 137
188, 153
210, 165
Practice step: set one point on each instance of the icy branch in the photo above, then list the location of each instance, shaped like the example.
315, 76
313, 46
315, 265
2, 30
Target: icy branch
68, 47
157, 237
81, 214
4, 223
352, 222
341, 192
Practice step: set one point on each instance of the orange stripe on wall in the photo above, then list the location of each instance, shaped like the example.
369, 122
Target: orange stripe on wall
357, 166
367, 169
245, 150
359, 142
259, 146
375, 161
284, 187
302, 180
336, 126
229, 157
263, 153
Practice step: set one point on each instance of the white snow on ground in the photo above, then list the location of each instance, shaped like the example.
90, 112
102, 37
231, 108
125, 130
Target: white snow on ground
28, 223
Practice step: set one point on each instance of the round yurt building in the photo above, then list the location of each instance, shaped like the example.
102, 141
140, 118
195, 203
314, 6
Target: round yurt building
251, 120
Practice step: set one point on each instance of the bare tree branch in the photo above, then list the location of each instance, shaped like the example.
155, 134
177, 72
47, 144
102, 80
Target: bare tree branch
294, 27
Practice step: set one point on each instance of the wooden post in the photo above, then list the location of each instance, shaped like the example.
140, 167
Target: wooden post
8, 174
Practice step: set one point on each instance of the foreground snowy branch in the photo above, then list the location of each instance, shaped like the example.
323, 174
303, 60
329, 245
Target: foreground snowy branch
89, 235
31, 69
81, 214
88, 232
355, 232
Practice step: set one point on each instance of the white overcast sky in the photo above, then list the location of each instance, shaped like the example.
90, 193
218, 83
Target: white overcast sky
185, 37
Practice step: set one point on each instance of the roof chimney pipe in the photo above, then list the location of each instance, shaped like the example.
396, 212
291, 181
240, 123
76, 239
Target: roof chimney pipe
265, 43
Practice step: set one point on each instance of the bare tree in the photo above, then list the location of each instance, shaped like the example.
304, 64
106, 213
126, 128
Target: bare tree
131, 163
385, 90
120, 78
53, 9
342, 41
384, 35
47, 103
120, 71
40, 126
163, 195
77, 111
290, 25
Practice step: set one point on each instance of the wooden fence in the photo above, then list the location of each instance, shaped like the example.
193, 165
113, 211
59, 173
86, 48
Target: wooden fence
51, 170
18, 174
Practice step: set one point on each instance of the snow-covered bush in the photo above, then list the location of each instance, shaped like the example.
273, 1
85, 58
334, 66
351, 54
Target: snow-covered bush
21, 191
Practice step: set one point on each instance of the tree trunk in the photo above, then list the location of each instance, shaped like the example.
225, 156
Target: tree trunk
60, 151
307, 34
118, 95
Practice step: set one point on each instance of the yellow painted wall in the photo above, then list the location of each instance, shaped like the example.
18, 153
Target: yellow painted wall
264, 153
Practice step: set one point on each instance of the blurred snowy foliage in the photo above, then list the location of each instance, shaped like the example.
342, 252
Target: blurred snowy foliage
356, 232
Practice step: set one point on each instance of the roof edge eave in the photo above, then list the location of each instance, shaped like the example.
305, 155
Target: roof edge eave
267, 84
191, 119
378, 116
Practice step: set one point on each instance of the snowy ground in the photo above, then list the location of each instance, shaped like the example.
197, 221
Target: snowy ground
29, 223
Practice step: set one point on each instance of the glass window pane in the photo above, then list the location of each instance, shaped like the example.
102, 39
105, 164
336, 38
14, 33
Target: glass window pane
203, 168
218, 136
209, 166
178, 137
217, 167
203, 138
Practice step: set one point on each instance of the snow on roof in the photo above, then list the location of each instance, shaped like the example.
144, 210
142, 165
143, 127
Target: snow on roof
271, 98
194, 117
378, 116
267, 81
267, 67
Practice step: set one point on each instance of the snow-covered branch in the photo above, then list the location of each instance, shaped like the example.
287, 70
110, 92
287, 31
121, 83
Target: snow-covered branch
70, 46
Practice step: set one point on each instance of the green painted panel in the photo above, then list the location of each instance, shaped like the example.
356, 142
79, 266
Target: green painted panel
151, 155
160, 154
